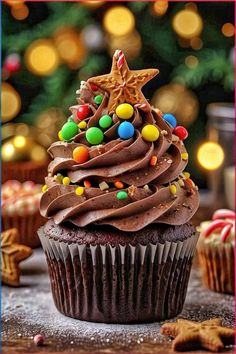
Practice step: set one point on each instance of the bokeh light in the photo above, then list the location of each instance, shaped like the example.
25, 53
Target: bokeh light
119, 21
20, 12
228, 29
21, 148
191, 61
41, 57
196, 43
130, 44
70, 46
160, 7
11, 102
178, 100
187, 24
210, 155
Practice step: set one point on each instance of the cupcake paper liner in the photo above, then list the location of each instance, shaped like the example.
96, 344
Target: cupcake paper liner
217, 265
27, 226
24, 171
121, 284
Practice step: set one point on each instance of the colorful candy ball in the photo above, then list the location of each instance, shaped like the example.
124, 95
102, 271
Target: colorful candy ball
124, 111
60, 136
126, 130
169, 118
69, 130
181, 132
83, 112
94, 135
98, 99
81, 154
38, 340
105, 121
122, 195
150, 132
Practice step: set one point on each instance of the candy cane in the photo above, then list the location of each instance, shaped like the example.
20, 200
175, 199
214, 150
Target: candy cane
217, 224
223, 214
225, 232
120, 58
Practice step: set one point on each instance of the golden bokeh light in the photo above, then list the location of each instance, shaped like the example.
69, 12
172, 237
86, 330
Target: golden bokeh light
228, 29
187, 24
92, 3
196, 43
210, 155
21, 148
20, 12
118, 21
41, 57
130, 44
160, 7
178, 100
70, 47
191, 61
11, 102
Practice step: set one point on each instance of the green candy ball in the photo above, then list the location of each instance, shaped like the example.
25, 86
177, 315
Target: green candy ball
105, 121
122, 195
94, 136
69, 130
98, 99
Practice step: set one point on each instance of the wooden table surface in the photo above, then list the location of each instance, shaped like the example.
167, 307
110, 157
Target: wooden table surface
29, 310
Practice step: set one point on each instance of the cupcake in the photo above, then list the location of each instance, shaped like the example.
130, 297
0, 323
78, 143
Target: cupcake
216, 251
20, 210
119, 242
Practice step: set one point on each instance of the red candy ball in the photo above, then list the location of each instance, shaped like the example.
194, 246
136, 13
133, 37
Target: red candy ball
93, 87
83, 112
181, 132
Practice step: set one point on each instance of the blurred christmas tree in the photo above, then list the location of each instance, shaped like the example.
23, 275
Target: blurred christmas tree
48, 47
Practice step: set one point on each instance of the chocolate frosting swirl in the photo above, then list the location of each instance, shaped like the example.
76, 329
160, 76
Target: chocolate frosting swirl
128, 161
149, 199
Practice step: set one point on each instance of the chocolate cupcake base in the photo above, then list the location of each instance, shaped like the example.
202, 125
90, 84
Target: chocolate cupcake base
121, 283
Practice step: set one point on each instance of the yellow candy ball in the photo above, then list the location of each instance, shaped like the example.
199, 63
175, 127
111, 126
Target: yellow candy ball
79, 191
184, 156
150, 132
44, 188
173, 189
124, 111
60, 136
82, 125
186, 174
66, 181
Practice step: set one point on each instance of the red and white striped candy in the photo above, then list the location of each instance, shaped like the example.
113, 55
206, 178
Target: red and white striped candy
223, 214
225, 232
120, 58
215, 225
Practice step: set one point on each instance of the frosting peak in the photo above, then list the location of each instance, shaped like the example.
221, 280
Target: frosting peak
119, 162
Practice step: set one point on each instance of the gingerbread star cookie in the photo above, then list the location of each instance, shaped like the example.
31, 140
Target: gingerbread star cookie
191, 335
123, 84
12, 254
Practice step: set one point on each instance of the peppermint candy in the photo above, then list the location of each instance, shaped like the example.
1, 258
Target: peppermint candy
223, 221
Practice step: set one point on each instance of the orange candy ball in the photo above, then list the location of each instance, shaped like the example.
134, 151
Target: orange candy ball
80, 154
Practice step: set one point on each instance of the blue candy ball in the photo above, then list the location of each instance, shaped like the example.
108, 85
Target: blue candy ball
126, 130
168, 117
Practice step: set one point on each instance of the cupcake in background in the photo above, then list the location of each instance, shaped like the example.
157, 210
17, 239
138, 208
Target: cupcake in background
20, 210
216, 251
23, 160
